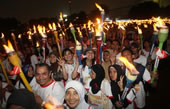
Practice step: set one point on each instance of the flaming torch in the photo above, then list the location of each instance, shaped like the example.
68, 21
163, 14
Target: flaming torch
102, 14
4, 71
14, 59
131, 76
41, 30
15, 42
141, 38
162, 36
73, 31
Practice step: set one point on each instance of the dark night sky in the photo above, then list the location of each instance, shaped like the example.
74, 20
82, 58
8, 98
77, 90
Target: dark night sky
28, 9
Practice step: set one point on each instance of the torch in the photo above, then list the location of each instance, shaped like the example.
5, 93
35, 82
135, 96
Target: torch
162, 36
41, 30
15, 42
90, 33
141, 38
78, 51
131, 76
4, 71
14, 59
81, 38
73, 31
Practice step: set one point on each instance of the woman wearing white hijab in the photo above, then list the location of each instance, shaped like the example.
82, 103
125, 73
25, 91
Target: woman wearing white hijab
74, 95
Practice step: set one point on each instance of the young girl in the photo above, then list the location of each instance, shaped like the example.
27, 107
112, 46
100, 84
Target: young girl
85, 68
99, 93
68, 64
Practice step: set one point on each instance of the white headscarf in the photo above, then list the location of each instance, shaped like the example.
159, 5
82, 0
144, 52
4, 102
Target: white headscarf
81, 92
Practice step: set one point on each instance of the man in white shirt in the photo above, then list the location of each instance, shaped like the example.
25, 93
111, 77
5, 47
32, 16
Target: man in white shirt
47, 86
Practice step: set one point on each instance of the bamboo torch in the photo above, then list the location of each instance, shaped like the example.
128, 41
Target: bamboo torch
14, 59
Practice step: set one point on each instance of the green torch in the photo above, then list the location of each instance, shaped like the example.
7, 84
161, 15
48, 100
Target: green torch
162, 36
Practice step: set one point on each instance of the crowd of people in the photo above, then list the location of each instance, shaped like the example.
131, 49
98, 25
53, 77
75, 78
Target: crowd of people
64, 82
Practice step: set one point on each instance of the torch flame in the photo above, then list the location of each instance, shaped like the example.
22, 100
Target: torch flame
59, 25
159, 22
129, 65
50, 26
89, 24
80, 34
98, 29
41, 30
99, 7
19, 36
61, 16
139, 31
9, 48
34, 28
71, 25
54, 26
2, 35
154, 27
37, 44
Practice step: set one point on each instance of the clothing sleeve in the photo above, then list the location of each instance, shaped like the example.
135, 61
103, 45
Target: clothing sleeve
106, 88
58, 93
146, 76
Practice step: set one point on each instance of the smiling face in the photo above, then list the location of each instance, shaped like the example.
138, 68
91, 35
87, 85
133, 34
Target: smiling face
113, 74
42, 75
72, 98
106, 56
90, 55
53, 58
68, 56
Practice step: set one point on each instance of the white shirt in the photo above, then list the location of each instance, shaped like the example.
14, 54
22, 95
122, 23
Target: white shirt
54, 89
141, 60
100, 100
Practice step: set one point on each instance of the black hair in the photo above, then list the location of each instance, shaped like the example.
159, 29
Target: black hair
65, 50
117, 42
135, 45
43, 65
127, 49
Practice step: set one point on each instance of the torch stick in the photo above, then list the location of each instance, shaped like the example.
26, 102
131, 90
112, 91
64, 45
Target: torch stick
14, 59
4, 71
15, 43
57, 41
162, 36
131, 76
141, 38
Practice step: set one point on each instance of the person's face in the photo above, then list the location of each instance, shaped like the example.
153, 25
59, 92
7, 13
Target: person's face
50, 42
106, 56
72, 98
92, 74
113, 74
126, 43
53, 58
134, 50
30, 72
115, 45
68, 56
90, 55
42, 75
54, 49
127, 54
108, 44
146, 44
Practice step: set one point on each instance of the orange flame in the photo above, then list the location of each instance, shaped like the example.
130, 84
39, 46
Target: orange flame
2, 35
61, 16
54, 26
98, 29
71, 25
129, 65
37, 44
80, 34
59, 25
50, 26
41, 30
89, 24
8, 48
154, 27
19, 36
139, 31
159, 22
99, 7
34, 28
